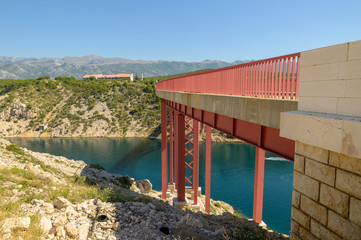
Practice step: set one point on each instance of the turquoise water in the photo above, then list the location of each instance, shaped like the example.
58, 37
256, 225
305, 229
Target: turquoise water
231, 178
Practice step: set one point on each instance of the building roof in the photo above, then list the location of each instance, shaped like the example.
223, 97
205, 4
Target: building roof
93, 75
121, 75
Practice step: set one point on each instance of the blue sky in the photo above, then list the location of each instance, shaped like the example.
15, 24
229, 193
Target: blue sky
189, 30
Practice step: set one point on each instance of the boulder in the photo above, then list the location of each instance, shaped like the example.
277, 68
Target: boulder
20, 223
144, 185
71, 230
61, 203
60, 220
190, 220
45, 224
83, 231
60, 232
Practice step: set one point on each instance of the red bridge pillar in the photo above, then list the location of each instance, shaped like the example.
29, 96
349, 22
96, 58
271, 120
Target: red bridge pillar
176, 114
195, 161
181, 157
208, 168
258, 185
171, 144
164, 149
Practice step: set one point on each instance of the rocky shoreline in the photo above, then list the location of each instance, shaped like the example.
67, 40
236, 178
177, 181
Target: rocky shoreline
50, 197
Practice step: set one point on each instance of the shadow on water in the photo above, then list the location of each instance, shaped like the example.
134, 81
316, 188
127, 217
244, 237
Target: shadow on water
140, 150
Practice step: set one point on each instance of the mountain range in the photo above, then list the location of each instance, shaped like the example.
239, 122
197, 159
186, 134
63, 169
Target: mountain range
21, 67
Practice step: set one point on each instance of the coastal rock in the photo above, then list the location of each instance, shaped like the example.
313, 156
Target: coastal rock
21, 223
144, 185
190, 220
60, 232
61, 203
60, 220
83, 231
45, 224
71, 230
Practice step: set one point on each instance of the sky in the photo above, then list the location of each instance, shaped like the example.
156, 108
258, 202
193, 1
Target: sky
183, 30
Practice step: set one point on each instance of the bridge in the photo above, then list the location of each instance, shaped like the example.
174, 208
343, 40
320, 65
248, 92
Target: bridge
304, 107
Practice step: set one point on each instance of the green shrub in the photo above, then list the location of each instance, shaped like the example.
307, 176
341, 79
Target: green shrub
96, 166
43, 78
15, 148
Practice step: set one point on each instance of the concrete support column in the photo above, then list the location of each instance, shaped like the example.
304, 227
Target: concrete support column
164, 149
208, 168
258, 185
181, 158
195, 160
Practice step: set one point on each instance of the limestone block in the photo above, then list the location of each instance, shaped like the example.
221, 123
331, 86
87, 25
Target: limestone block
331, 54
354, 50
314, 209
300, 218
293, 236
296, 198
319, 131
292, 126
351, 138
343, 227
295, 227
305, 234
350, 69
322, 172
349, 183
334, 199
299, 163
349, 106
315, 153
353, 88
321, 232
45, 224
345, 162
355, 211
319, 73
318, 104
325, 88
306, 185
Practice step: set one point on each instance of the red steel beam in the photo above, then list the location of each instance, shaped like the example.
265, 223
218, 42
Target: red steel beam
264, 137
181, 158
208, 168
164, 149
258, 185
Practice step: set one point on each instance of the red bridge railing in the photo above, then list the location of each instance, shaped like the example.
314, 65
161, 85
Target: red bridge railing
269, 78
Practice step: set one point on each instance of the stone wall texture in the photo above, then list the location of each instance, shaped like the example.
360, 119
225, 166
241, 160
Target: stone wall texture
326, 200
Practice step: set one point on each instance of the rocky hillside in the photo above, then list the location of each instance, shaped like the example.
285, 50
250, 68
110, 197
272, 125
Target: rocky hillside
50, 197
75, 108
19, 67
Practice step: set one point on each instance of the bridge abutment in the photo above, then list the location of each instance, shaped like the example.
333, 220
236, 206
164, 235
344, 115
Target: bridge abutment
326, 200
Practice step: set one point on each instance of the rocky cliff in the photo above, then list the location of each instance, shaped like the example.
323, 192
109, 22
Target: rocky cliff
50, 197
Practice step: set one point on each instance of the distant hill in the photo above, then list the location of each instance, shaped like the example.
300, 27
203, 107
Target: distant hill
20, 68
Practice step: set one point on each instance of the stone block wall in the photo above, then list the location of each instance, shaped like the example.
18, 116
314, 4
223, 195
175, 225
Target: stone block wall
326, 200
330, 80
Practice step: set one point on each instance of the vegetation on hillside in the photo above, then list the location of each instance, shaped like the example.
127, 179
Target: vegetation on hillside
75, 105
